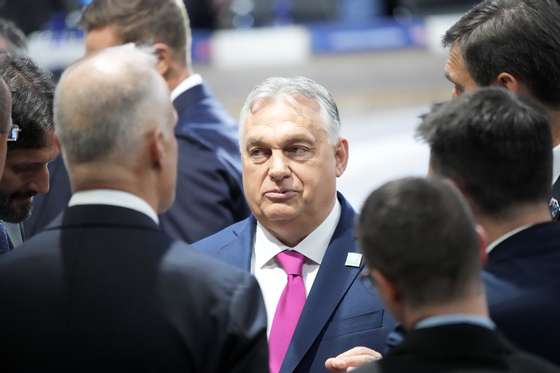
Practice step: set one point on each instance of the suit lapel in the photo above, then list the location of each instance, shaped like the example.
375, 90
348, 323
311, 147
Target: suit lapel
239, 251
333, 281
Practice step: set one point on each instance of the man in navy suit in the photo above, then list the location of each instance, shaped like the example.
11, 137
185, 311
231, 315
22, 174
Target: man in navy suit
292, 154
209, 189
103, 288
423, 252
513, 44
497, 149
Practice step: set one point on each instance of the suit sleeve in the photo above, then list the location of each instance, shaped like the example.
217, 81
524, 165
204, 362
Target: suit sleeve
208, 198
246, 347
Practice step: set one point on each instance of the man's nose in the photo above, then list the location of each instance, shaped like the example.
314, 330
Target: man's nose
279, 168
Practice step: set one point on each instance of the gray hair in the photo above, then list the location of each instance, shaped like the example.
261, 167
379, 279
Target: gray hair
32, 92
279, 87
104, 105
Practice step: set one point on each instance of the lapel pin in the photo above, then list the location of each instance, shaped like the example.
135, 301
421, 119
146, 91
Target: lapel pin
353, 260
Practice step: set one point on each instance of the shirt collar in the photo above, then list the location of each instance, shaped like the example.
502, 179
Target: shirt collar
555, 163
501, 239
185, 85
312, 247
113, 198
451, 319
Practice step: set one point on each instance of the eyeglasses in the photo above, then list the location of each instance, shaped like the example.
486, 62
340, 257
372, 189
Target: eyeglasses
13, 133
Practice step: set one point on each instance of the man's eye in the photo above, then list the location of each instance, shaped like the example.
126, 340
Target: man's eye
257, 153
298, 150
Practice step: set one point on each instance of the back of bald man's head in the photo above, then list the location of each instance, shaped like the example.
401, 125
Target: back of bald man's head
105, 103
5, 107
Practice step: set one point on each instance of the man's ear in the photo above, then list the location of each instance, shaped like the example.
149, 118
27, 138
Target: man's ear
156, 148
390, 295
164, 58
483, 244
341, 156
509, 82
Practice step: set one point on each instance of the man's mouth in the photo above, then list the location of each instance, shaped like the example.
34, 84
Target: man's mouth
280, 195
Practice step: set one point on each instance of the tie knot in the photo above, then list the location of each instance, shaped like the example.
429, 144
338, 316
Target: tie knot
291, 262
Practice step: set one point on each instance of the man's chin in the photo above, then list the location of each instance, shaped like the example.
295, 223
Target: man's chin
17, 213
279, 214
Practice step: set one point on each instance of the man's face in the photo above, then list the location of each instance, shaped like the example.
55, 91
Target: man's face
101, 38
289, 167
457, 73
25, 175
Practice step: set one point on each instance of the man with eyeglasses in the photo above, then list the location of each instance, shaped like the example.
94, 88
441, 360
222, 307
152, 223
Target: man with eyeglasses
30, 142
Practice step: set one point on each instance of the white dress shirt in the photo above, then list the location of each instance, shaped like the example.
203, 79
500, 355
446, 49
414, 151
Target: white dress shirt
271, 277
185, 85
113, 198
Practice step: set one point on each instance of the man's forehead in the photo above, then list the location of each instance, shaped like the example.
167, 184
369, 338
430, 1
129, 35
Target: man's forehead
43, 154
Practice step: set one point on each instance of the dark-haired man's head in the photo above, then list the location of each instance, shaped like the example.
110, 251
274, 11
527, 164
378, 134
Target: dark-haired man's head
497, 148
26, 173
510, 43
12, 39
422, 249
160, 24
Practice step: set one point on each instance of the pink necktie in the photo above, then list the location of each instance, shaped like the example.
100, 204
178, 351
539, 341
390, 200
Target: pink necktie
288, 309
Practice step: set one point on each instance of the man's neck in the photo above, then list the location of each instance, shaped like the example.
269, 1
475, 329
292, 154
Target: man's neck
496, 227
474, 305
175, 77
84, 179
555, 125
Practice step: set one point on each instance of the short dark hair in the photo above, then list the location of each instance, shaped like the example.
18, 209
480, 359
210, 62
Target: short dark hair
521, 37
143, 22
17, 42
5, 108
420, 234
32, 92
495, 146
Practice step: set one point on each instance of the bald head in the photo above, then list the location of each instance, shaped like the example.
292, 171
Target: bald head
105, 104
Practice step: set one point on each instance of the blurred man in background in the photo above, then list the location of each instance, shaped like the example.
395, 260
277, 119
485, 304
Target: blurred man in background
497, 149
33, 145
423, 253
104, 288
514, 44
209, 186
299, 241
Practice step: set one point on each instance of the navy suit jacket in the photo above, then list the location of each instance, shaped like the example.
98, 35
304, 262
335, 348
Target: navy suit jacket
209, 187
528, 312
103, 289
340, 312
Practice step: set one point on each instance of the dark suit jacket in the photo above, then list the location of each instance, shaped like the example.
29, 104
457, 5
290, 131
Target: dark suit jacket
340, 312
457, 348
209, 188
103, 289
529, 315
